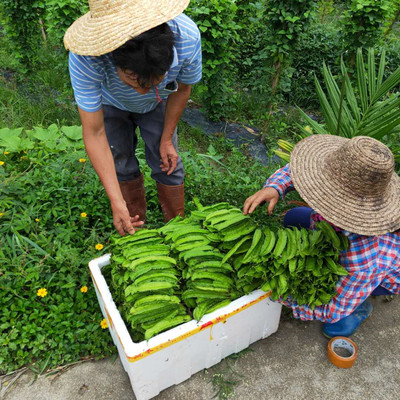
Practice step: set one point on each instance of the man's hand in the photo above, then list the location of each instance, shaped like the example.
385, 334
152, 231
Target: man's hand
169, 156
123, 222
267, 194
176, 103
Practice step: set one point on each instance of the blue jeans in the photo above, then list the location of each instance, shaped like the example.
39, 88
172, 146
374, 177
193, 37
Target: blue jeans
121, 129
300, 217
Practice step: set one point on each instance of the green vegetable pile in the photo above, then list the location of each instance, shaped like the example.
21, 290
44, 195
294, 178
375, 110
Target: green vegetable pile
304, 264
150, 279
191, 267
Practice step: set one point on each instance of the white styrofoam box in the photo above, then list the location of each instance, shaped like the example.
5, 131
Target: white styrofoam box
173, 356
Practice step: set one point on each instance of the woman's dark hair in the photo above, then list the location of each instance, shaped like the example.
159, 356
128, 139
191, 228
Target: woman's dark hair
148, 55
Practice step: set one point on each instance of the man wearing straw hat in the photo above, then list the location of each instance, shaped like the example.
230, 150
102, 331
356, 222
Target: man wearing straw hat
132, 64
352, 184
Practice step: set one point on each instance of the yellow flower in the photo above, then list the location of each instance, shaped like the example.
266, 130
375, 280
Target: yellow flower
6, 152
42, 292
104, 323
37, 219
82, 160
83, 215
1, 162
1, 214
84, 289
99, 246
308, 129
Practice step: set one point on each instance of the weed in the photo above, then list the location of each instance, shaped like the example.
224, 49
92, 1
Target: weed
225, 376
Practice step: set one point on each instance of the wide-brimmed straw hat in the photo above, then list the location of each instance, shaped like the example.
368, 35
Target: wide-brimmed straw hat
111, 23
350, 182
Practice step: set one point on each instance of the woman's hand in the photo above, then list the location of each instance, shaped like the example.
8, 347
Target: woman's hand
123, 222
268, 194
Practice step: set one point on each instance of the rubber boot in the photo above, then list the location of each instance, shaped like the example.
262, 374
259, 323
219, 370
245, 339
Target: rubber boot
348, 325
134, 195
172, 200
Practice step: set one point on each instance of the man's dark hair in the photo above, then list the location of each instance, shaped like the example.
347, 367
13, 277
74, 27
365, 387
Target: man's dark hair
148, 55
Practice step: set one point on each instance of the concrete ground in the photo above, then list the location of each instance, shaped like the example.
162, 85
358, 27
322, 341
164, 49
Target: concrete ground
291, 364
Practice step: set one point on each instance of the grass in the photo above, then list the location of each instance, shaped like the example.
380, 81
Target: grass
224, 377
32, 105
40, 98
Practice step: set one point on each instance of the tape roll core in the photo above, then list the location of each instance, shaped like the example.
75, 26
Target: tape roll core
336, 346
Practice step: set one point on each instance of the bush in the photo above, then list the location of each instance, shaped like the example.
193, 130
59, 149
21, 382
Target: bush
219, 30
60, 14
21, 22
363, 23
321, 43
254, 67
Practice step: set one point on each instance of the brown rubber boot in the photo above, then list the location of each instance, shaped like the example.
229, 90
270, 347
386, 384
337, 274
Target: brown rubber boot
172, 200
134, 195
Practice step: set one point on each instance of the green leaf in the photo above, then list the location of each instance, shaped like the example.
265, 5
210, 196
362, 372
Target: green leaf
384, 128
324, 297
46, 135
282, 285
380, 111
326, 108
388, 85
381, 70
350, 94
371, 73
34, 245
362, 83
344, 123
64, 144
316, 127
72, 132
10, 140
26, 144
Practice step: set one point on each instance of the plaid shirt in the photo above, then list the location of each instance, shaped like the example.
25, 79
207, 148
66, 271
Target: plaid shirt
370, 260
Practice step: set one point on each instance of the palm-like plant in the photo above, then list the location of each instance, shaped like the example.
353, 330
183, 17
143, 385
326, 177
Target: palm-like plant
375, 113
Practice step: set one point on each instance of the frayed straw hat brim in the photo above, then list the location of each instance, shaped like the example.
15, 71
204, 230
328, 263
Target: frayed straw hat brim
100, 35
336, 200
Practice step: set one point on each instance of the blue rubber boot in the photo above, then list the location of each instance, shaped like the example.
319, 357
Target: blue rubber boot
348, 325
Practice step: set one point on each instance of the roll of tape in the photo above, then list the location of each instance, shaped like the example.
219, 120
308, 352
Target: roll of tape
342, 352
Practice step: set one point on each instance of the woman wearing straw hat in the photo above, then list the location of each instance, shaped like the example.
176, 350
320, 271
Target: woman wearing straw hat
352, 184
132, 64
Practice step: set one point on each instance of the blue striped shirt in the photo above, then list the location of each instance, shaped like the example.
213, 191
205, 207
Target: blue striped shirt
95, 80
